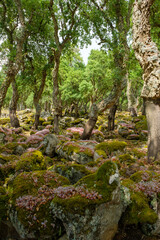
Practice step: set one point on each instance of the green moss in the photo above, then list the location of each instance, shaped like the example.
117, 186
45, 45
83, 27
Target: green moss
101, 153
50, 119
26, 127
74, 147
76, 135
73, 172
98, 182
11, 147
77, 167
3, 204
128, 183
102, 127
76, 121
141, 125
140, 175
126, 158
75, 205
41, 120
4, 121
138, 153
46, 123
28, 183
110, 147
139, 210
30, 120
8, 158
31, 161
71, 147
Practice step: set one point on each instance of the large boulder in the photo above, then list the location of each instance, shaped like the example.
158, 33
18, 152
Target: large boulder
77, 152
29, 210
93, 211
50, 143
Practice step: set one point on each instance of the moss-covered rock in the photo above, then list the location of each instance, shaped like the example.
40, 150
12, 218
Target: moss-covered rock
7, 166
104, 182
111, 146
76, 152
141, 125
29, 212
139, 210
31, 161
143, 175
73, 172
11, 148
3, 204
84, 215
126, 158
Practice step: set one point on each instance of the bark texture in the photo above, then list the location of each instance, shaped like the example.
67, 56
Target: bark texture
146, 50
111, 117
148, 55
131, 105
37, 97
90, 123
13, 106
56, 93
153, 121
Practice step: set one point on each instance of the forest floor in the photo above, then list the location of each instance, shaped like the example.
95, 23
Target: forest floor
126, 146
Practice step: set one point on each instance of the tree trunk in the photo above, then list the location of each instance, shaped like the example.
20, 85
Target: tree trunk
13, 106
90, 123
144, 108
153, 120
76, 110
37, 114
56, 93
131, 107
111, 117
148, 55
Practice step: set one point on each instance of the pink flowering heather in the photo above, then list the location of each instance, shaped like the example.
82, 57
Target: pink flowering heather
75, 130
43, 132
97, 132
127, 125
31, 149
33, 139
46, 194
80, 130
63, 138
48, 127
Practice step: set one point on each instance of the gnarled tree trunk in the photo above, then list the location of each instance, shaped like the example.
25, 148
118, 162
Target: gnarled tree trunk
13, 106
111, 117
56, 93
37, 114
148, 55
90, 123
37, 97
131, 107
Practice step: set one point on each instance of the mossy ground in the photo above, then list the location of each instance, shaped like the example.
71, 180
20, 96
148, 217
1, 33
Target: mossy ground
129, 155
